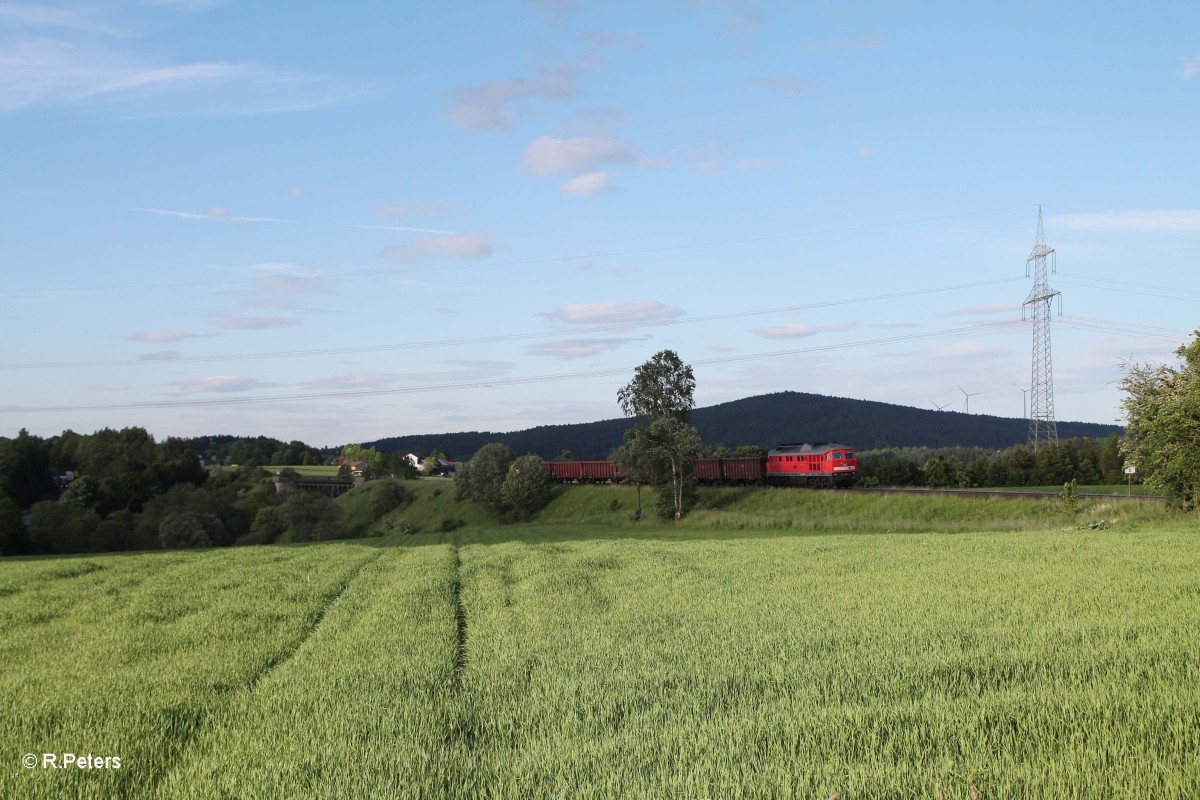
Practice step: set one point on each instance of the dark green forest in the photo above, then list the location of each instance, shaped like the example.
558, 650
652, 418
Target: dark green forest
766, 420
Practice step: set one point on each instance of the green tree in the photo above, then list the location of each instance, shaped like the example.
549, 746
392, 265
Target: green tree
91, 493
674, 446
432, 464
663, 386
635, 463
57, 528
1112, 463
526, 487
660, 400
482, 479
389, 495
14, 539
1162, 429
188, 530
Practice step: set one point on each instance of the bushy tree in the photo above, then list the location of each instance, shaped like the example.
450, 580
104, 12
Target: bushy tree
92, 494
1162, 429
56, 528
432, 464
526, 487
14, 538
660, 400
389, 495
482, 481
188, 530
663, 386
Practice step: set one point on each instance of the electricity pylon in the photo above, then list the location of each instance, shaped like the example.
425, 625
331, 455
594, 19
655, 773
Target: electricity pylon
1042, 429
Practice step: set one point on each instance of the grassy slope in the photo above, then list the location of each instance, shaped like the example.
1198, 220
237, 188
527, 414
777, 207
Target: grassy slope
431, 503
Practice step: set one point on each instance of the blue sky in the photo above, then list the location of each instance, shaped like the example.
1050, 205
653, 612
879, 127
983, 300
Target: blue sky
340, 222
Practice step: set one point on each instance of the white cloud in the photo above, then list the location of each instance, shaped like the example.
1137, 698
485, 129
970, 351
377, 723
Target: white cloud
614, 313
160, 355
556, 12
413, 208
162, 337
490, 106
793, 85
588, 184
627, 42
797, 331
223, 383
213, 215
868, 151
1190, 68
547, 155
250, 323
1164, 221
462, 246
756, 163
571, 349
44, 71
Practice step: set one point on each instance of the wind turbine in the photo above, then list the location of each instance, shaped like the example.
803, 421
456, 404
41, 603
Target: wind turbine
1024, 395
939, 408
967, 399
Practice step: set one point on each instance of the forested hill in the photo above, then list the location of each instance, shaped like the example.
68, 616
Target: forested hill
766, 420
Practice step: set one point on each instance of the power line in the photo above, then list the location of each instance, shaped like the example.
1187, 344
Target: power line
359, 393
555, 259
379, 348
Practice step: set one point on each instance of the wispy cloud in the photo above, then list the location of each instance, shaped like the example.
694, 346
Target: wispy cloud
571, 349
1190, 67
589, 184
40, 71
547, 155
162, 337
453, 371
223, 383
614, 313
494, 106
56, 56
212, 215
756, 163
413, 208
238, 322
792, 85
797, 331
867, 151
1163, 221
403, 228
160, 355
460, 246
626, 42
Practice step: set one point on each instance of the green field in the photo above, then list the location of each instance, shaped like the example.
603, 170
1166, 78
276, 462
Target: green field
592, 661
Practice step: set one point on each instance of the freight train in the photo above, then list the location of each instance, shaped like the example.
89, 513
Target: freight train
816, 464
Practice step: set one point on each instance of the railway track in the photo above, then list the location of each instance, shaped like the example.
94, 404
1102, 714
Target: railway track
985, 493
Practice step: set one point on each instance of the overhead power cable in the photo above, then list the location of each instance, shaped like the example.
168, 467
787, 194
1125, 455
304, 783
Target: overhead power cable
576, 257
509, 337
447, 387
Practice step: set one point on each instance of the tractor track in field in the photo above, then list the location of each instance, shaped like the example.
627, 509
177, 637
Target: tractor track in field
275, 662
460, 619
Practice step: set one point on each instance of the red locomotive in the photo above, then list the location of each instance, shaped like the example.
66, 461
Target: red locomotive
817, 464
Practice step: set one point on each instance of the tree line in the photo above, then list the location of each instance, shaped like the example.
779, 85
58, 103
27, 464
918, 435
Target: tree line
1085, 461
127, 491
